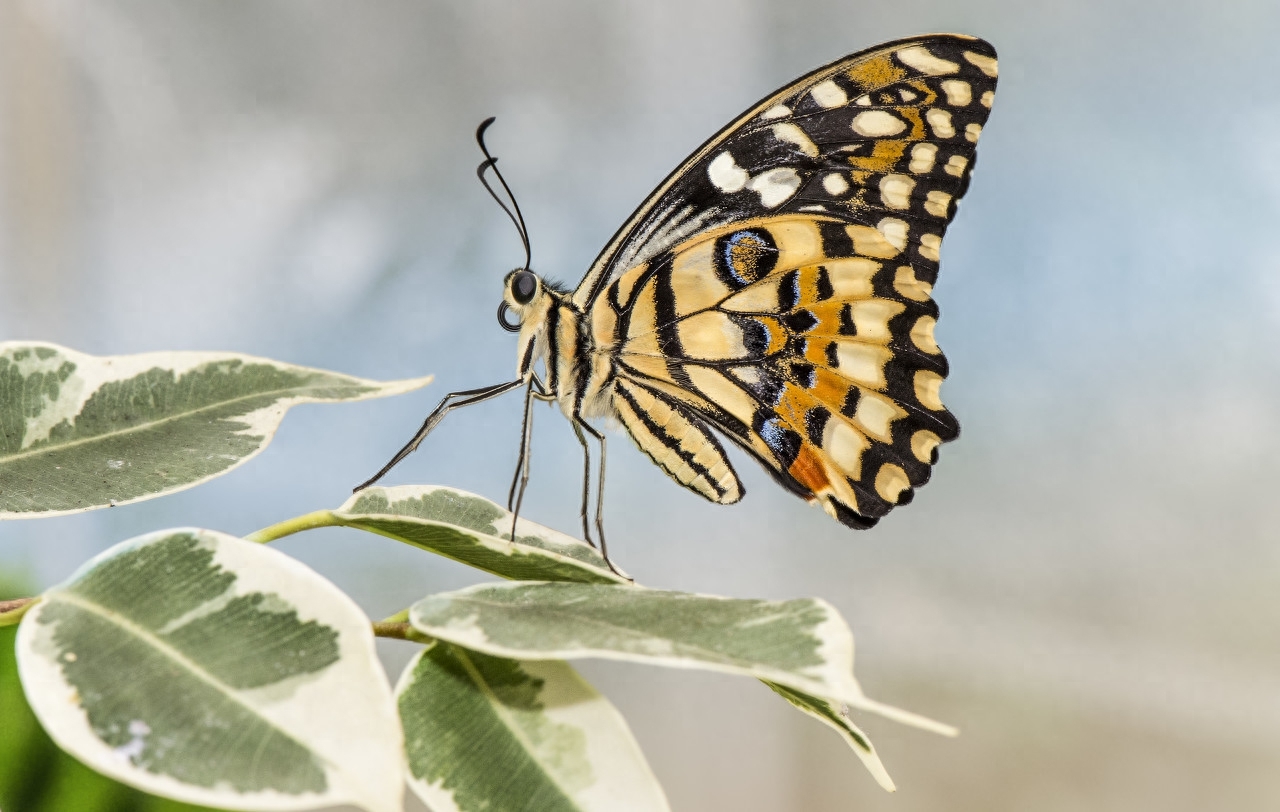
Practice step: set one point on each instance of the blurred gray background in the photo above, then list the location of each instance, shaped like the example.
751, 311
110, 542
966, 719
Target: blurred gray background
1089, 587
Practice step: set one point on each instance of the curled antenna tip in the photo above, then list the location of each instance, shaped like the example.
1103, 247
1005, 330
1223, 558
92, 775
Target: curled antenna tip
513, 212
484, 125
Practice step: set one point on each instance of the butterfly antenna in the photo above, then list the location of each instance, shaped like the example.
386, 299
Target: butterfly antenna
490, 162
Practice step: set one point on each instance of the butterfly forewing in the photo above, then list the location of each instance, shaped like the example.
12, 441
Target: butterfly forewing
897, 109
778, 285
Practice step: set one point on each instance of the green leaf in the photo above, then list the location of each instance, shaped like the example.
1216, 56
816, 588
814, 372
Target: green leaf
837, 718
802, 645
475, 531
208, 669
79, 432
490, 733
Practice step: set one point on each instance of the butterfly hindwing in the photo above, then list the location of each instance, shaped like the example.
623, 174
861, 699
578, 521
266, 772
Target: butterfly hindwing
778, 285
824, 367
677, 442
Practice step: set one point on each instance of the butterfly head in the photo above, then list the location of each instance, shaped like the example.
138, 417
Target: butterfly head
524, 293
525, 296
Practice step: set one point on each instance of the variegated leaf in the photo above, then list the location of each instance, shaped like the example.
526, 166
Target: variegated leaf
475, 531
803, 645
79, 432
208, 669
490, 733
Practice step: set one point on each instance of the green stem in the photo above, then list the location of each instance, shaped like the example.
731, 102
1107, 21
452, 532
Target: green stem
12, 611
307, 521
400, 631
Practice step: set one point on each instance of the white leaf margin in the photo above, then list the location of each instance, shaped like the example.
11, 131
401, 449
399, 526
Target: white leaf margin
346, 714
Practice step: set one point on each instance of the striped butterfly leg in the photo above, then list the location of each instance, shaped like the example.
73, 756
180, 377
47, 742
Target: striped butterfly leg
584, 510
579, 427
447, 404
520, 480
680, 444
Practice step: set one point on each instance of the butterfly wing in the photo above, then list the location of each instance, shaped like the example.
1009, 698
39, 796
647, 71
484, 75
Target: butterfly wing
777, 285
912, 108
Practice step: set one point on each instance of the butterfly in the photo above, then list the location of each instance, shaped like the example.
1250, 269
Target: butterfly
775, 290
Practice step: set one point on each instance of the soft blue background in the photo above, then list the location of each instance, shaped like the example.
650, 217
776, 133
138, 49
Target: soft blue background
1089, 585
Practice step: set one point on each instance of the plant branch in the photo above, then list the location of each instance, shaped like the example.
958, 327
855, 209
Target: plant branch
307, 521
12, 611
400, 631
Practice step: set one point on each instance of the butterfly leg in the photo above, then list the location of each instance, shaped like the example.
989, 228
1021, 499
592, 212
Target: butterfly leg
580, 425
468, 397
520, 481
586, 483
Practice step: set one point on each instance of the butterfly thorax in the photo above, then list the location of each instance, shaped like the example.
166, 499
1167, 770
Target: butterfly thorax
577, 368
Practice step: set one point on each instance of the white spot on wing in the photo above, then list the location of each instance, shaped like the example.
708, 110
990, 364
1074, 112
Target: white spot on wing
956, 164
972, 131
776, 186
959, 94
776, 111
726, 174
876, 414
940, 122
792, 134
984, 63
863, 363
895, 231
895, 191
906, 95
930, 246
918, 57
988, 97
937, 203
835, 184
877, 124
844, 446
829, 94
922, 158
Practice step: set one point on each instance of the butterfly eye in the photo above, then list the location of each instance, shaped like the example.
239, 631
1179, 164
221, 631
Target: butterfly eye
523, 285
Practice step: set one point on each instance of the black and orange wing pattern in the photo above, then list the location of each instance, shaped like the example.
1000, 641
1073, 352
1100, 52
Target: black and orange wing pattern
777, 286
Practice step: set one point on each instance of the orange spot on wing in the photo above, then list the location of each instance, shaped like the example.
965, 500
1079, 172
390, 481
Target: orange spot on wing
884, 156
808, 470
875, 73
830, 390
